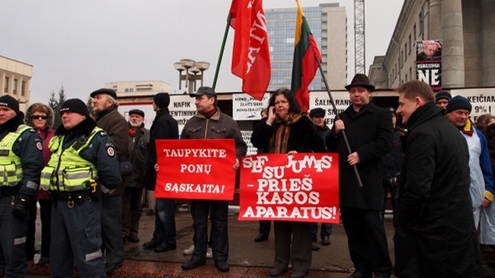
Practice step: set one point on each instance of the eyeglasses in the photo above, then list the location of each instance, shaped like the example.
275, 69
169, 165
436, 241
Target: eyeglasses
38, 117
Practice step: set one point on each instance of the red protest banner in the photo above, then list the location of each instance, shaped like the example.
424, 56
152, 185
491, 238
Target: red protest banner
196, 169
301, 187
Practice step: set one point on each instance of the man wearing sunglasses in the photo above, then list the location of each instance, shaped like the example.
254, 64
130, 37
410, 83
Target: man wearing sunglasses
21, 161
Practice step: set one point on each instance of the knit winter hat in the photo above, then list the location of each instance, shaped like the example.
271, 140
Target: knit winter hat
458, 102
442, 95
162, 100
10, 102
75, 105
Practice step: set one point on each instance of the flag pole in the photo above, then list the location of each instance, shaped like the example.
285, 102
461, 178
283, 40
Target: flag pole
356, 172
222, 49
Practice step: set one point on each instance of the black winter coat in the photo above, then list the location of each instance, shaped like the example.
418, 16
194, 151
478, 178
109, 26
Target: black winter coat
139, 157
435, 234
163, 127
370, 134
303, 137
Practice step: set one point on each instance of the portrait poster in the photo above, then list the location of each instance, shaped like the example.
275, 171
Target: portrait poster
300, 187
429, 63
196, 169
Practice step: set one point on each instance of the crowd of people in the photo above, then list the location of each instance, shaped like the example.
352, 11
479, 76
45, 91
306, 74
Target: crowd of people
90, 173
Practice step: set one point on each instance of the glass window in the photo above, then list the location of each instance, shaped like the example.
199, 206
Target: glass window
6, 86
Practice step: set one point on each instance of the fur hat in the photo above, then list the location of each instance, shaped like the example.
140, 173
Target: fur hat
458, 102
75, 105
360, 80
10, 102
162, 100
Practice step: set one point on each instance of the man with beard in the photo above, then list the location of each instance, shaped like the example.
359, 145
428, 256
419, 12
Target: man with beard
83, 162
109, 119
434, 234
138, 144
21, 161
163, 127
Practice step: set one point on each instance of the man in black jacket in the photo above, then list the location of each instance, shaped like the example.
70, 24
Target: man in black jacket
163, 127
139, 138
435, 234
369, 132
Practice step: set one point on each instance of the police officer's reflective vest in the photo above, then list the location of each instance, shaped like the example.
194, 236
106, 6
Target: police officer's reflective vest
67, 170
10, 163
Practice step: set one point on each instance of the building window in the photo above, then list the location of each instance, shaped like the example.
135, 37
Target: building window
23, 88
410, 46
405, 48
14, 87
421, 23
6, 86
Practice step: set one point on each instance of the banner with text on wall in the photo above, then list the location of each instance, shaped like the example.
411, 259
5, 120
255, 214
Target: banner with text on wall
196, 169
429, 63
302, 187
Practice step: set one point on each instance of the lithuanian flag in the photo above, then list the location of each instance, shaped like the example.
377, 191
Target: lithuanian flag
305, 61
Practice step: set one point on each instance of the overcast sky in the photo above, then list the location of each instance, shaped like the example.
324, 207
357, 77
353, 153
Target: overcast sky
81, 45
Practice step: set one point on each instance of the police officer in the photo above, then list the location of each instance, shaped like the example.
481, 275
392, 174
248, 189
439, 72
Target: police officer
21, 161
83, 163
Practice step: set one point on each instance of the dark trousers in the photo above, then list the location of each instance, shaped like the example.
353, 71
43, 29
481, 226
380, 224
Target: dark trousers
326, 230
219, 236
111, 224
45, 215
394, 198
76, 238
131, 211
366, 240
165, 231
12, 241
265, 227
292, 240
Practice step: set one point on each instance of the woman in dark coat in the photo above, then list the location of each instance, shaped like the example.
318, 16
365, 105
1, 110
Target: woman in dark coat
41, 117
286, 130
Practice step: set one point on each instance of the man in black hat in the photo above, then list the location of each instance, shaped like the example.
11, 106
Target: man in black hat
21, 161
82, 153
109, 119
442, 99
163, 127
369, 133
139, 138
317, 116
208, 119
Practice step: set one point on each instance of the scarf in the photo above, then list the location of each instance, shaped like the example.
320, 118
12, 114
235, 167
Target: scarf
468, 128
279, 139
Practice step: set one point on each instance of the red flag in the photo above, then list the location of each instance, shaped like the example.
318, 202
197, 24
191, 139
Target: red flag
305, 64
251, 56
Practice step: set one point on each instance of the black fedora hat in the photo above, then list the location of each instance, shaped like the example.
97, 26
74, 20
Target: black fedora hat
360, 80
